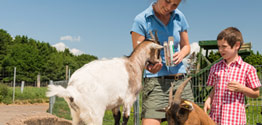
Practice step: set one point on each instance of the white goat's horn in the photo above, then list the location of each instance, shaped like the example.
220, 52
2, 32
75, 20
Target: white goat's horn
156, 37
152, 36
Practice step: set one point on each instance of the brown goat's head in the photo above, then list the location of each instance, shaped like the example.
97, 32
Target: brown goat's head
178, 109
178, 113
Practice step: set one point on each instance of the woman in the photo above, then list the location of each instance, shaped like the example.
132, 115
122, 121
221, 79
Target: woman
164, 17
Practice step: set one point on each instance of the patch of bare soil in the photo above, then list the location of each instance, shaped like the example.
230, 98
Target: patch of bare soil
29, 114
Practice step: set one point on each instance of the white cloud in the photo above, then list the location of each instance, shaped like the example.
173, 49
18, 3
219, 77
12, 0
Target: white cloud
70, 38
61, 47
76, 51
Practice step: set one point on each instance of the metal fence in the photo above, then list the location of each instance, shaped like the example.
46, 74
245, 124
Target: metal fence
64, 83
52, 99
253, 106
8, 78
201, 91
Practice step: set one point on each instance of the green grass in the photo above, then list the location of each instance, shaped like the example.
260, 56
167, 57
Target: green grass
62, 110
252, 112
29, 95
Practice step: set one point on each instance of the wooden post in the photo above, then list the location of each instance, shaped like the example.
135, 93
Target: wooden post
38, 81
22, 86
199, 60
66, 72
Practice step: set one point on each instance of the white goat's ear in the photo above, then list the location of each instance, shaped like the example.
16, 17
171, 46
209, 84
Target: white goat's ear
187, 105
156, 46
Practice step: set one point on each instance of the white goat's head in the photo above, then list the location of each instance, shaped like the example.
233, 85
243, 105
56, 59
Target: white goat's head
155, 49
148, 50
154, 53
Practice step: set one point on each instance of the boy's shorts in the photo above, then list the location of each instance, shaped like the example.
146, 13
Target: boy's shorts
155, 96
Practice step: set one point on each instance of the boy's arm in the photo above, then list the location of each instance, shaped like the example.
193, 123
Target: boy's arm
208, 102
252, 93
237, 87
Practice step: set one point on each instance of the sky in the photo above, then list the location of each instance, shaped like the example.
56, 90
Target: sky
102, 28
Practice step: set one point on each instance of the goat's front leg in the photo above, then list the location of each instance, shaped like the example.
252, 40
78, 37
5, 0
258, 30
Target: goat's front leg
126, 115
117, 115
125, 119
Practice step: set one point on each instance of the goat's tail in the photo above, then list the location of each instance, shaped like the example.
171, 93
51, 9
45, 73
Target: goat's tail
57, 90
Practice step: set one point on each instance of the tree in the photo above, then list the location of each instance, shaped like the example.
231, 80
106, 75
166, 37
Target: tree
31, 57
5, 40
254, 59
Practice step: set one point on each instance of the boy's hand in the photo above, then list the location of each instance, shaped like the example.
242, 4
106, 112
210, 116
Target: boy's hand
207, 104
235, 86
154, 68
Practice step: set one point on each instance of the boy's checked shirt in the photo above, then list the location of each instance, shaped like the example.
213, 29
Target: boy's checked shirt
228, 108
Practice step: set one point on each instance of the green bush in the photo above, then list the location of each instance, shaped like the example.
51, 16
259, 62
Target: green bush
3, 91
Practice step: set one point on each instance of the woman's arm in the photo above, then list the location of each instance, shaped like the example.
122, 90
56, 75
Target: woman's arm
136, 39
184, 48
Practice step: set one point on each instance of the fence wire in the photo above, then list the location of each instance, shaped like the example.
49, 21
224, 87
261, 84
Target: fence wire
201, 91
253, 106
135, 111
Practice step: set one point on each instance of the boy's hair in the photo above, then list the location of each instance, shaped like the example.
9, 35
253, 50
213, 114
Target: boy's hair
231, 35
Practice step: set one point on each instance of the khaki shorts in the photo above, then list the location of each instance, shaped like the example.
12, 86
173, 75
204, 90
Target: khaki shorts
155, 96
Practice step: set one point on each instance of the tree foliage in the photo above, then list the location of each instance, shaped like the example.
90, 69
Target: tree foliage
32, 57
253, 59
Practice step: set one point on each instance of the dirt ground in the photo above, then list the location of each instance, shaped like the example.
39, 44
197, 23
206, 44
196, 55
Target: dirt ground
8, 112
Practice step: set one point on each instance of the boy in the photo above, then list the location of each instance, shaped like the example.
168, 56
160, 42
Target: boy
232, 79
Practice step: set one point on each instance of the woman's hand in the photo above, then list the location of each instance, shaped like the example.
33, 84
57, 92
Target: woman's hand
184, 48
177, 58
154, 68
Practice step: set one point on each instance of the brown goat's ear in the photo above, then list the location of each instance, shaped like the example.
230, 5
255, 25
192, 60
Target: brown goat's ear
187, 105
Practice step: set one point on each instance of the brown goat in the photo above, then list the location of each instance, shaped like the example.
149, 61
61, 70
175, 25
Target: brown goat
184, 112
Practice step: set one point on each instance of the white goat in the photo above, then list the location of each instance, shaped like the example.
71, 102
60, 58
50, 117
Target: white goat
106, 84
